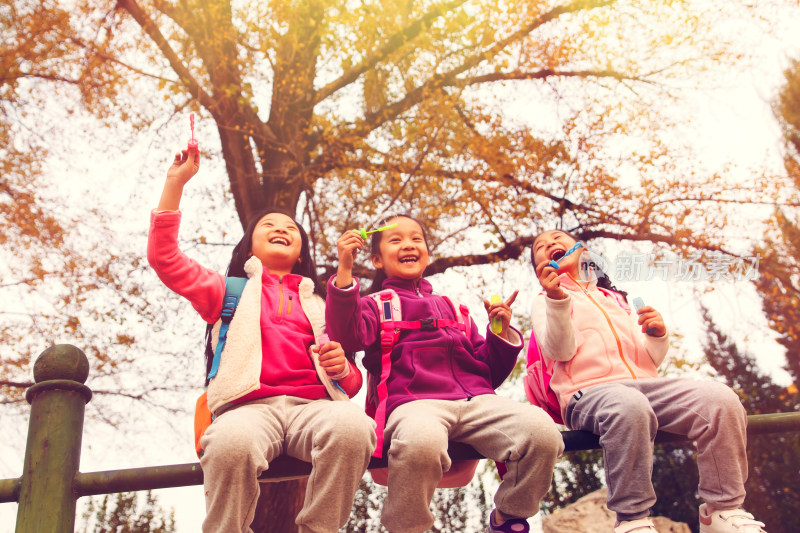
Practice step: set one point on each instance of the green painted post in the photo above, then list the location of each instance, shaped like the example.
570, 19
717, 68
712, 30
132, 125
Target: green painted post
52, 454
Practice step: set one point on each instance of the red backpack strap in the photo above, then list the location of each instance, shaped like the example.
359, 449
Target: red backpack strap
462, 317
390, 317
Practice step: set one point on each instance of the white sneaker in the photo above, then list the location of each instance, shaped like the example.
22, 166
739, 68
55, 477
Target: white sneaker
643, 525
730, 521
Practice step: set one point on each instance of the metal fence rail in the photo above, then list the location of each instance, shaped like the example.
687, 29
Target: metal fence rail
51, 482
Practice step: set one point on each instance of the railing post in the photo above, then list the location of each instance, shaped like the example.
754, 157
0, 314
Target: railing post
52, 454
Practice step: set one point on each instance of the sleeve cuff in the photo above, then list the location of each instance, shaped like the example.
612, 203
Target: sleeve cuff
514, 337
350, 287
343, 374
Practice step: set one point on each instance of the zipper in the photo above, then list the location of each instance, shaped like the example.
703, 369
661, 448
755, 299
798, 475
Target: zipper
610, 325
289, 308
280, 295
452, 340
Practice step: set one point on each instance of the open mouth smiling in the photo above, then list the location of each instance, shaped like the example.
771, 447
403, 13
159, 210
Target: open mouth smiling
279, 240
557, 254
409, 259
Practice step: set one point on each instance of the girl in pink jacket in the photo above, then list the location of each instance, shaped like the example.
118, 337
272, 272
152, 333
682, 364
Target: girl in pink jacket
271, 393
604, 372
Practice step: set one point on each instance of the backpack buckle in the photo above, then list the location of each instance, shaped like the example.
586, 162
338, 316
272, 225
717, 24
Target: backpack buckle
428, 324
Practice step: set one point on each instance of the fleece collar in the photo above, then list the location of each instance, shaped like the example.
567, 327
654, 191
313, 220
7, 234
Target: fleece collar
399, 284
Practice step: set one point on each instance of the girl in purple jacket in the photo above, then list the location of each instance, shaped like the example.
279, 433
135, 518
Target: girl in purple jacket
272, 392
441, 385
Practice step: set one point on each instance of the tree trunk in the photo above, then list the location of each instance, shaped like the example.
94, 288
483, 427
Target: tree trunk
278, 505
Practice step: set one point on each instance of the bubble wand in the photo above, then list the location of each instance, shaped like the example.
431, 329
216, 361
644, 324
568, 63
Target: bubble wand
193, 146
363, 231
497, 322
554, 264
638, 303
322, 340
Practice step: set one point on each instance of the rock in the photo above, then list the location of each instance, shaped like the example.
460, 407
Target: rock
590, 515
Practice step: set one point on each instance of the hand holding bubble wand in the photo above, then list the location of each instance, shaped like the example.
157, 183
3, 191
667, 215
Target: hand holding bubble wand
638, 303
323, 339
496, 323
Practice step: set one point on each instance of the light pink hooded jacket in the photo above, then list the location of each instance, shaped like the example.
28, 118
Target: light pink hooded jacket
588, 339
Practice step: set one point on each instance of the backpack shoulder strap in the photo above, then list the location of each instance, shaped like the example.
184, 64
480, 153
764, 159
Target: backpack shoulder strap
391, 320
233, 291
462, 315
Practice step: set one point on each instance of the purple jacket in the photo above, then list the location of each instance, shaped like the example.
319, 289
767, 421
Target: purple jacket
438, 364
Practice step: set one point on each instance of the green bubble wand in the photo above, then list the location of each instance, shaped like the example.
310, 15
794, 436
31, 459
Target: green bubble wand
363, 231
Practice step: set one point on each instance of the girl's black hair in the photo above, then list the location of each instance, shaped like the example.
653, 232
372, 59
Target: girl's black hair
603, 280
241, 253
375, 242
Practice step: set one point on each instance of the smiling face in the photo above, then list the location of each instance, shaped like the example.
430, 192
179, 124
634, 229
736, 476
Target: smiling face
402, 251
277, 242
552, 246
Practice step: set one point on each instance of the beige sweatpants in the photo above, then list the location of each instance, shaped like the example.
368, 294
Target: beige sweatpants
337, 438
521, 435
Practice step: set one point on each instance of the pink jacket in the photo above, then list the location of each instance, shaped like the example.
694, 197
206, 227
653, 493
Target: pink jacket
588, 339
275, 323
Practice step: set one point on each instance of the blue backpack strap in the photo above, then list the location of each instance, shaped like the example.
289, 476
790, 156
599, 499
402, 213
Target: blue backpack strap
233, 291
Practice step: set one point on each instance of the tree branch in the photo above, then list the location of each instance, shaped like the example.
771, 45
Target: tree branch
546, 73
392, 44
375, 119
16, 384
160, 41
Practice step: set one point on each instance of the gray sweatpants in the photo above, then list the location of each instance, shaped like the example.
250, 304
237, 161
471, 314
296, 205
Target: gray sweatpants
337, 438
521, 435
626, 416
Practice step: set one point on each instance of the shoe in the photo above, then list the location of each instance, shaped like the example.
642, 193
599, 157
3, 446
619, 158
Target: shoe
642, 525
730, 521
512, 525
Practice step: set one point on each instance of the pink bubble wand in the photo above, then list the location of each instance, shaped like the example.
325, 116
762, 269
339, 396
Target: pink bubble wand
193, 145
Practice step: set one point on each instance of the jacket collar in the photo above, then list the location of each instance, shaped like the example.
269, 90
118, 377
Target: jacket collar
422, 287
570, 283
253, 266
290, 281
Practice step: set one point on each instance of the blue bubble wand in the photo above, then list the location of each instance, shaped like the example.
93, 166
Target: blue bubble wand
554, 264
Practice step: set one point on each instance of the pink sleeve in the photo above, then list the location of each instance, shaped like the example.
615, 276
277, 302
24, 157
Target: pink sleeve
351, 383
203, 287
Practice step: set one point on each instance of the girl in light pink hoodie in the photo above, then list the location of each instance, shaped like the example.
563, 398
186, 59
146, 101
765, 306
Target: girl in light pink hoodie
603, 364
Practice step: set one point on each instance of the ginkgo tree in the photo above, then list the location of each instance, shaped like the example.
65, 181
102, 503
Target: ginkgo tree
489, 120
780, 284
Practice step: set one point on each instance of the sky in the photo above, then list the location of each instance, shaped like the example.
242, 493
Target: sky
733, 122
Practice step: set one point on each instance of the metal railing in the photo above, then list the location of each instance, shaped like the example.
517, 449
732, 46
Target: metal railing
51, 483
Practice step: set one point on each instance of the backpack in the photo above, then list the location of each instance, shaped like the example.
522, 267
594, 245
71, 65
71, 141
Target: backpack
540, 370
233, 292
392, 323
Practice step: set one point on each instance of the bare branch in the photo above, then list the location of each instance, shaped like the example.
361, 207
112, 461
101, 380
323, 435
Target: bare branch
547, 73
16, 384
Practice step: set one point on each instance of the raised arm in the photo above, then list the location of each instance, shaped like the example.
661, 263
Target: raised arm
348, 246
183, 168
